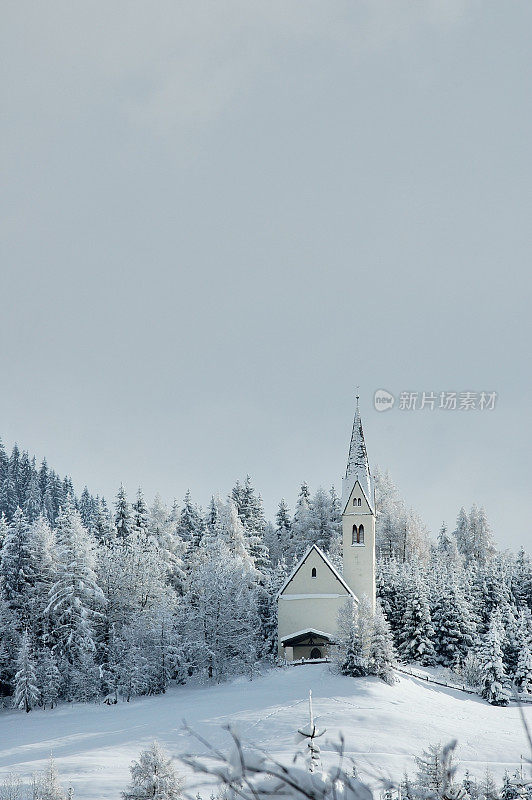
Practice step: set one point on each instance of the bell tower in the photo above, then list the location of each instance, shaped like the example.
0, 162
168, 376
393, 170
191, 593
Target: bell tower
358, 517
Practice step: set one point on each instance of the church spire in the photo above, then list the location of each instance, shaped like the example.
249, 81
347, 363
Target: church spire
357, 462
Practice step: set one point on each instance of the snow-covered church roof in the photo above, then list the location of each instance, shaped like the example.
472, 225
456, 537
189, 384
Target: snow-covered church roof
357, 463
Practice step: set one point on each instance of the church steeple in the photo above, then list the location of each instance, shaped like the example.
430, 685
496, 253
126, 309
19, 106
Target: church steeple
358, 517
357, 461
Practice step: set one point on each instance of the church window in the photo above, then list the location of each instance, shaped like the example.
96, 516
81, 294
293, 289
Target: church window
359, 501
358, 535
314, 574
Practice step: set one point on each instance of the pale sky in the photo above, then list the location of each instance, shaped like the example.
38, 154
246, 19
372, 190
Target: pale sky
219, 218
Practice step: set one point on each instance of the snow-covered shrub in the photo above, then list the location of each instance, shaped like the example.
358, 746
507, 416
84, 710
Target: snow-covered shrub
471, 670
249, 773
153, 777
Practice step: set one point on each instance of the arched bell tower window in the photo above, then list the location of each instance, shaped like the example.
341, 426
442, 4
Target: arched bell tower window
359, 501
357, 535
314, 574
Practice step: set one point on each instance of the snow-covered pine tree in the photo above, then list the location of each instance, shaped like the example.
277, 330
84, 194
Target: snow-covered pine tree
32, 499
49, 787
523, 671
454, 630
417, 633
102, 526
494, 680
509, 789
123, 521
335, 544
321, 527
277, 538
381, 657
447, 549
163, 527
4, 529
470, 786
75, 600
481, 537
399, 532
153, 777
17, 574
221, 627
191, 525
301, 523
139, 514
435, 772
521, 580
487, 790
48, 678
462, 535
86, 508
26, 694
510, 641
9, 644
355, 629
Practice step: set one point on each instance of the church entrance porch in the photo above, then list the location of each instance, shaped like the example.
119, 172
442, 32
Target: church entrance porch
308, 645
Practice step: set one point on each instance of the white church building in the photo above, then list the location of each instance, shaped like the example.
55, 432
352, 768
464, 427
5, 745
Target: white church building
312, 595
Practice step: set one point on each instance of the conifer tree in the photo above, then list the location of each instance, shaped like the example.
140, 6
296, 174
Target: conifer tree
448, 548
32, 499
521, 580
123, 521
453, 628
355, 629
153, 777
523, 672
17, 574
50, 787
417, 632
140, 514
75, 600
381, 656
494, 679
435, 772
463, 536
48, 678
26, 694
102, 526
4, 529
86, 508
487, 789
509, 789
191, 526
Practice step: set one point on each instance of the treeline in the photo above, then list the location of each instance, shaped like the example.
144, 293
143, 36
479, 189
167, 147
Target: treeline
99, 602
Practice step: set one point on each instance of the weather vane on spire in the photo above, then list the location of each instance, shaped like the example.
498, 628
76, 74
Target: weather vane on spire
358, 395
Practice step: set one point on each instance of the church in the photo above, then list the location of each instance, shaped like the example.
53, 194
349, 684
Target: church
312, 595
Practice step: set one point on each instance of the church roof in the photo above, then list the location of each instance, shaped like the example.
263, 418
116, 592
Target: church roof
328, 564
357, 463
299, 636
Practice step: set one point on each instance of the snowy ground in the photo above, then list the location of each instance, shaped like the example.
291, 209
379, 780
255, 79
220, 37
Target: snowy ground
383, 726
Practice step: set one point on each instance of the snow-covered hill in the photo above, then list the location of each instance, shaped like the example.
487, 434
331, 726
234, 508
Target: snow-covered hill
383, 726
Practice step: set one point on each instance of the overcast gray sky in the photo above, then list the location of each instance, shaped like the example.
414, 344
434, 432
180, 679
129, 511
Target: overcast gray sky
218, 218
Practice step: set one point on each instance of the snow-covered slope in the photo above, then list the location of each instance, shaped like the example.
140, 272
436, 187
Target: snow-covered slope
383, 726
